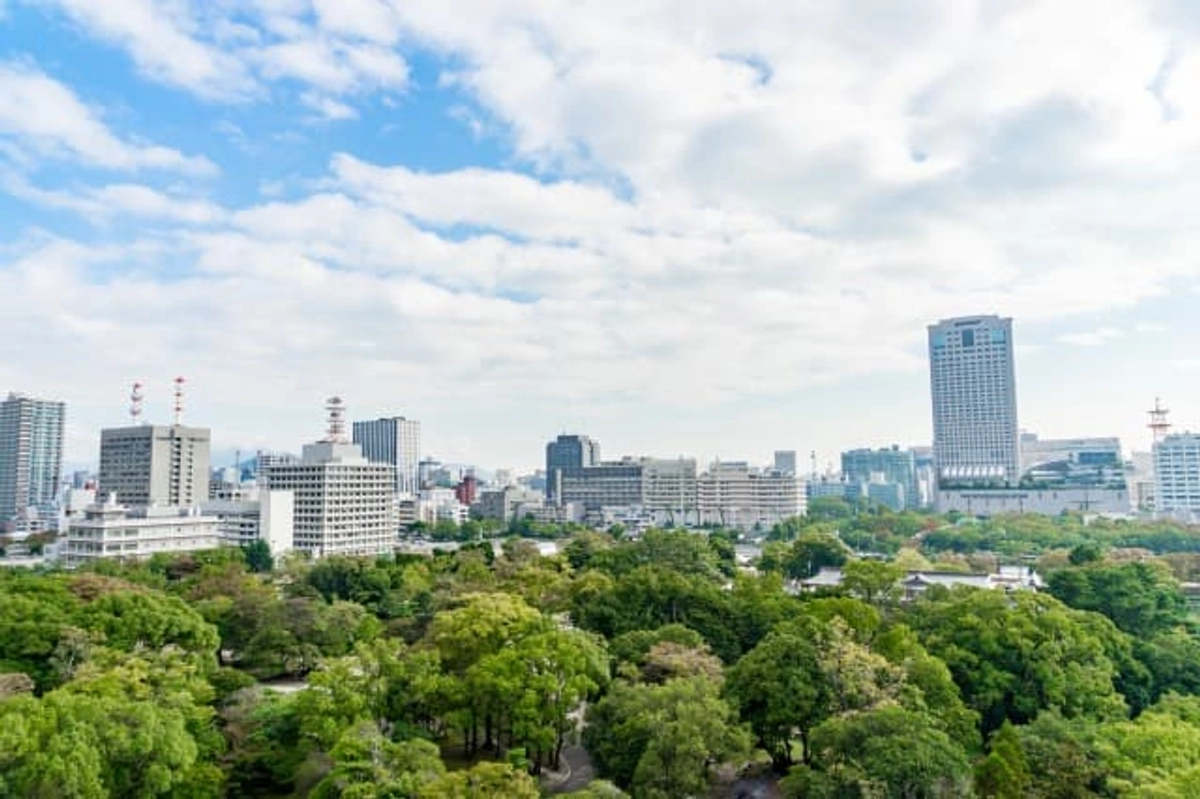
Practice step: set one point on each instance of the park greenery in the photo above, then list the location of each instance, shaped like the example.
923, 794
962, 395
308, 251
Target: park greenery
487, 670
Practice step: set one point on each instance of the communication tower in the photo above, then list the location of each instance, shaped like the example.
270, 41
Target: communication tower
337, 421
1158, 420
135, 402
179, 381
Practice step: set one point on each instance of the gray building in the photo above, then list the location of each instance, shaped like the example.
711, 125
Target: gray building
785, 461
31, 444
665, 487
974, 396
166, 465
395, 441
890, 465
568, 452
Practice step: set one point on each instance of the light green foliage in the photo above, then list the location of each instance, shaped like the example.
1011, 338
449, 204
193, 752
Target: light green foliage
872, 580
366, 765
1140, 598
484, 781
1004, 772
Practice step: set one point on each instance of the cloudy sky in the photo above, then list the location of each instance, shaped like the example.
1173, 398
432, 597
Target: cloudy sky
681, 226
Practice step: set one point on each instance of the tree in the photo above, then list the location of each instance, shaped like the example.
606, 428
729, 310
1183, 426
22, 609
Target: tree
813, 551
368, 764
662, 740
872, 580
1141, 598
258, 556
1004, 773
887, 751
483, 781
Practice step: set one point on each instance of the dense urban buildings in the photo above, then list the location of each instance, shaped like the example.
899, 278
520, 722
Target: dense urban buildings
568, 452
31, 446
888, 475
165, 465
395, 441
973, 386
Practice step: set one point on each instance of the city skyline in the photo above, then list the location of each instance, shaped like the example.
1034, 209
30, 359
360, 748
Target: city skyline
460, 217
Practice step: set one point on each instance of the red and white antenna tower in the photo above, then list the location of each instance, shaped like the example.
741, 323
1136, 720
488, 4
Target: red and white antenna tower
135, 402
1158, 420
337, 420
179, 381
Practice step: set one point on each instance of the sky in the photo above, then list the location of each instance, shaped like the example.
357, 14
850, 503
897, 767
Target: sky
680, 226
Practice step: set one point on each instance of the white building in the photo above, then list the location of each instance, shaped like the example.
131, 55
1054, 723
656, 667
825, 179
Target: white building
255, 514
155, 465
395, 441
31, 446
973, 387
344, 504
1177, 475
441, 504
734, 494
114, 531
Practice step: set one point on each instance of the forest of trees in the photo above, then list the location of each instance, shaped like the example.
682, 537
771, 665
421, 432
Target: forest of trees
478, 673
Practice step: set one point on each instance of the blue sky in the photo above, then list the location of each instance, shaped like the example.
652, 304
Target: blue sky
680, 227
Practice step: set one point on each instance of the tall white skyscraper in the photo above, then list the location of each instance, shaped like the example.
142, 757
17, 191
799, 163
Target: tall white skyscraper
31, 444
395, 441
149, 464
973, 385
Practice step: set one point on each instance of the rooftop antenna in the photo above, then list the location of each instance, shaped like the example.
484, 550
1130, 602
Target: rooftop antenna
179, 381
337, 421
813, 458
135, 402
1158, 420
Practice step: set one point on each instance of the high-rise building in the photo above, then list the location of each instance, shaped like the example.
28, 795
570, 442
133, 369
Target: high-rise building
1177, 474
973, 387
568, 452
165, 465
395, 441
890, 465
785, 461
31, 444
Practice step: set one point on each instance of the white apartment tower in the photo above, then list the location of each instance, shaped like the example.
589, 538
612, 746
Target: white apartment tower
395, 441
973, 387
1177, 474
147, 464
344, 503
31, 444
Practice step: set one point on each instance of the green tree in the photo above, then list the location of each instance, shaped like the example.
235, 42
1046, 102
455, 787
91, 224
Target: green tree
1004, 773
258, 556
1141, 598
483, 781
663, 740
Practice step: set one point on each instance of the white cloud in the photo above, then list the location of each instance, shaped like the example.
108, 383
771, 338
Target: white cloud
1092, 338
46, 117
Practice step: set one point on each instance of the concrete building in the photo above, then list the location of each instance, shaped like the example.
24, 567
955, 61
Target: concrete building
110, 530
31, 444
568, 452
1177, 475
664, 487
734, 494
147, 464
344, 503
973, 388
876, 467
1049, 501
508, 503
256, 514
785, 461
395, 441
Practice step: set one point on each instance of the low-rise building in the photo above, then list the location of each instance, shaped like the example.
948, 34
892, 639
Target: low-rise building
253, 514
110, 530
733, 494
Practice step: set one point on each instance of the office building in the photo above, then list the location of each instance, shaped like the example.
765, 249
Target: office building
785, 461
31, 444
255, 514
1177, 475
345, 504
734, 494
973, 387
568, 452
147, 464
877, 467
110, 530
395, 441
